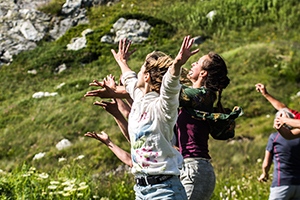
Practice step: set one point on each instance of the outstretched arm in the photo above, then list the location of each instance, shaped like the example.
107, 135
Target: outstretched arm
275, 103
183, 55
266, 167
124, 156
112, 108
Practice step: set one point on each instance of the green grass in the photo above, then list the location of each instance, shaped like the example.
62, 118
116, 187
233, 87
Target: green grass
259, 41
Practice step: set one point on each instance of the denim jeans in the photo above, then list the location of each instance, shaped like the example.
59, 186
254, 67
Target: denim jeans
170, 189
198, 178
285, 192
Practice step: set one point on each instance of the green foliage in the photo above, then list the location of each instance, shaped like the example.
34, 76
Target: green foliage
71, 33
53, 7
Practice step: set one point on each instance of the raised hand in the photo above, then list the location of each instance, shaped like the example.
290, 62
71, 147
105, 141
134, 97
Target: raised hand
123, 54
185, 51
104, 138
261, 88
105, 92
110, 106
110, 82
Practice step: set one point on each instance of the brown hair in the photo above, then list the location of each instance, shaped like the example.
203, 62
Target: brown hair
157, 64
216, 78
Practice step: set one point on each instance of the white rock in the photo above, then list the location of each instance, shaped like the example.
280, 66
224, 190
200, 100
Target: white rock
64, 143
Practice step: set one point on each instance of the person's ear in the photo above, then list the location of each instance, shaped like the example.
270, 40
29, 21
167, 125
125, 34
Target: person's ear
147, 77
203, 73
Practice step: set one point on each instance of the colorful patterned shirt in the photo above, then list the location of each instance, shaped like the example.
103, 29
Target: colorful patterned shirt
150, 126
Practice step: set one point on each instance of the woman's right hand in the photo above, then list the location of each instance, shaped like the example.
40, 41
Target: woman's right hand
261, 88
104, 138
123, 55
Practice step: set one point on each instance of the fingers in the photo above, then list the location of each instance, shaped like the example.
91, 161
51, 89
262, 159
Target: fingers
132, 52
127, 48
113, 52
194, 52
97, 103
124, 44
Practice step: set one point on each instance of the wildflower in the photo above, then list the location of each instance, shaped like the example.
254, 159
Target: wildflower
221, 194
82, 183
69, 188
79, 157
62, 159
233, 194
32, 168
66, 194
268, 116
83, 187
25, 175
44, 175
60, 85
259, 160
54, 182
69, 182
52, 187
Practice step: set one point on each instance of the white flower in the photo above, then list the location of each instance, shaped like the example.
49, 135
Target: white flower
66, 194
25, 175
44, 175
62, 159
60, 85
69, 182
52, 187
32, 71
259, 160
268, 116
54, 182
68, 188
83, 187
79, 157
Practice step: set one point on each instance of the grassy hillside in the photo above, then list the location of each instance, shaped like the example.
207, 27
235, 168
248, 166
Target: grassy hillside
258, 39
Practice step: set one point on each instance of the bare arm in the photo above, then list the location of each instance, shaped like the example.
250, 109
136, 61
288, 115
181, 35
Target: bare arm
123, 107
183, 55
124, 156
289, 134
266, 167
112, 108
275, 103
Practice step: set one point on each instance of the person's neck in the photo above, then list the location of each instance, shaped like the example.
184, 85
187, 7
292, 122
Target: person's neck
146, 89
196, 83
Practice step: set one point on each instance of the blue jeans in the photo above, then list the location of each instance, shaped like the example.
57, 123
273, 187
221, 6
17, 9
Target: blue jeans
170, 189
285, 192
198, 178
